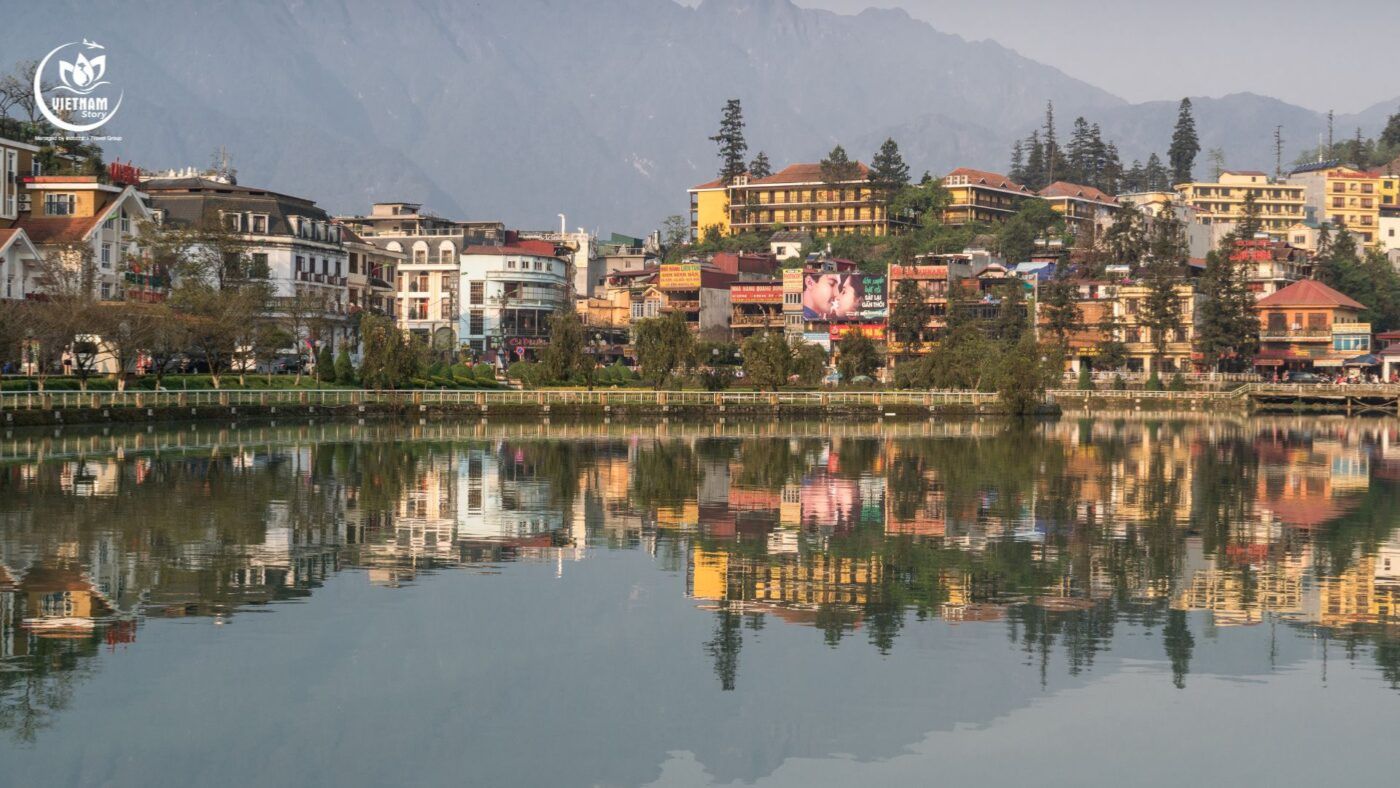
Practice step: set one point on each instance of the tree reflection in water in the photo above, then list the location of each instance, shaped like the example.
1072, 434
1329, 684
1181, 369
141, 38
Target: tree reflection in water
1061, 534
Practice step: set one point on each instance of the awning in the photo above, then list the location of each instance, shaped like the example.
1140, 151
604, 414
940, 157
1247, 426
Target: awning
1327, 362
1364, 360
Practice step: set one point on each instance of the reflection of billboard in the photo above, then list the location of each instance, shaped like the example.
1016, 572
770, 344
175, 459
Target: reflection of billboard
680, 276
833, 297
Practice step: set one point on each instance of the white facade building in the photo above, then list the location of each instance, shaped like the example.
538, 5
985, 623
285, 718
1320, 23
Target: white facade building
509, 294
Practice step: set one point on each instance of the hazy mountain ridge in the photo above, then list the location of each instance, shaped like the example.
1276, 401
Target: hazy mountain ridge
522, 109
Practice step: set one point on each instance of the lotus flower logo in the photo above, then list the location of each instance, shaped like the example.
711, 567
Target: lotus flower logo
83, 75
68, 91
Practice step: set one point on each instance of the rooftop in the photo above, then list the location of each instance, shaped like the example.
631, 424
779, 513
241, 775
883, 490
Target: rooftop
1075, 190
994, 180
1309, 292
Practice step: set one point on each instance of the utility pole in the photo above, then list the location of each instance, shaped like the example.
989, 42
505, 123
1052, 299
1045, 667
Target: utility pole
1278, 152
1330, 118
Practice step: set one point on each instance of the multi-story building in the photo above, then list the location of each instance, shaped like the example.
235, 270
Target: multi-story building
1280, 205
1308, 326
1343, 196
756, 306
1390, 229
581, 251
699, 291
932, 281
19, 264
1129, 310
1270, 265
74, 215
17, 161
429, 276
980, 196
370, 275
291, 241
1086, 210
509, 295
796, 198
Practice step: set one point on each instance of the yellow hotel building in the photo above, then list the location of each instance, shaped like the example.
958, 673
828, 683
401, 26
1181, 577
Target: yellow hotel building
796, 198
1280, 204
1345, 196
980, 196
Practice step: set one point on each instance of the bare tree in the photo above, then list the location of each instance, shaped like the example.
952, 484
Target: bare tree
63, 320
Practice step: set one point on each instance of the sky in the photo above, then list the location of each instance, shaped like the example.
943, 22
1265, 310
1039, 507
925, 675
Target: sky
1166, 49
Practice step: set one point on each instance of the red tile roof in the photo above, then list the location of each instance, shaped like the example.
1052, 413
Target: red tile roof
1308, 292
793, 173
1067, 189
993, 179
58, 230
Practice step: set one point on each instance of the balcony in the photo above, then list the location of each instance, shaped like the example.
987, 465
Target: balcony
1296, 335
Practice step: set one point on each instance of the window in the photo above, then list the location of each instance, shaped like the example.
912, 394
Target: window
106, 255
420, 283
418, 309
106, 291
233, 222
59, 204
510, 264
478, 291
477, 323
259, 224
260, 268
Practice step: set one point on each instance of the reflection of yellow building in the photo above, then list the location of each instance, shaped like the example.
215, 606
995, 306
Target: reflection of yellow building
1354, 597
800, 580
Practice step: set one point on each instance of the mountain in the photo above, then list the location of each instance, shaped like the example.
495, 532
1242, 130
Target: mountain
523, 109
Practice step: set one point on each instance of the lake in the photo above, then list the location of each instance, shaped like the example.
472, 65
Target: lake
1081, 602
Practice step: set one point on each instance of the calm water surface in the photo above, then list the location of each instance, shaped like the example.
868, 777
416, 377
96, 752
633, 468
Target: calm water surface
1098, 602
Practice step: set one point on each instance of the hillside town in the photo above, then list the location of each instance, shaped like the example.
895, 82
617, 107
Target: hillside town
835, 272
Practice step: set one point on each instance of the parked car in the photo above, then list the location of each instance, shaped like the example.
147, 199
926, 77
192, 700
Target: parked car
1298, 376
283, 365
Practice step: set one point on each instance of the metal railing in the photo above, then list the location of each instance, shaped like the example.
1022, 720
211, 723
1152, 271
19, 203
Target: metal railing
70, 400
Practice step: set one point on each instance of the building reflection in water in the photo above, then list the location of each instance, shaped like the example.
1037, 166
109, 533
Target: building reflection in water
1055, 532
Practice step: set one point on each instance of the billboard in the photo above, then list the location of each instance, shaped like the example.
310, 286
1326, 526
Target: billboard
680, 276
843, 297
820, 338
755, 294
918, 272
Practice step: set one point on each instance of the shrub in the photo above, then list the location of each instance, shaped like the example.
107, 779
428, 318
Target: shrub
1119, 384
1154, 383
344, 369
1177, 383
1086, 381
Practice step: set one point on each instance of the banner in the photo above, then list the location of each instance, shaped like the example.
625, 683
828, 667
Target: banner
680, 276
755, 294
875, 331
918, 272
843, 297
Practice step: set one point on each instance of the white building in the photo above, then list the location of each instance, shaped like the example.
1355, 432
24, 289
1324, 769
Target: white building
509, 294
19, 262
291, 241
579, 249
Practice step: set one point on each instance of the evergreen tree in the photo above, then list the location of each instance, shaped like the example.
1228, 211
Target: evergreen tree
1054, 155
1226, 326
1035, 163
1080, 156
730, 139
838, 168
1250, 224
563, 358
1111, 171
1110, 352
1161, 273
1155, 177
857, 355
1011, 314
1135, 178
1125, 241
888, 172
908, 315
344, 369
1017, 171
1059, 308
1390, 135
1185, 145
759, 167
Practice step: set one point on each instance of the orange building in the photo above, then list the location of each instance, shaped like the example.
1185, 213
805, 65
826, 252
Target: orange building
1308, 325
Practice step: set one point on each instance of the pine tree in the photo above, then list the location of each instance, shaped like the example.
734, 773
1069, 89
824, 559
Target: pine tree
1111, 174
730, 139
838, 168
1185, 145
1155, 176
1125, 240
888, 172
1079, 154
1017, 171
759, 167
1035, 163
1226, 326
908, 315
1059, 308
1134, 179
1250, 224
1054, 156
1161, 273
